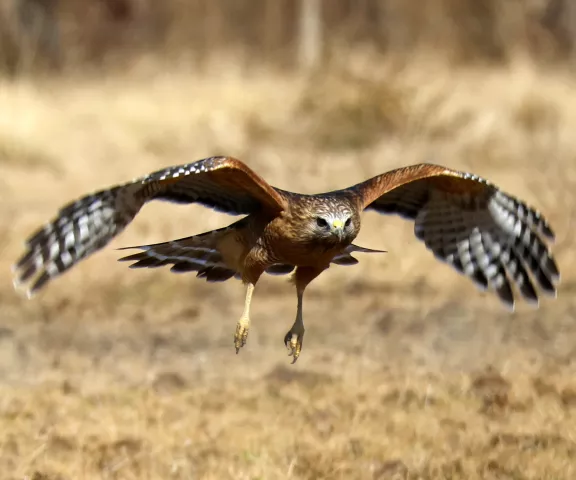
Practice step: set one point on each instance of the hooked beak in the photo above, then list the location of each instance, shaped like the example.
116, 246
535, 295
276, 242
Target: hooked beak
338, 229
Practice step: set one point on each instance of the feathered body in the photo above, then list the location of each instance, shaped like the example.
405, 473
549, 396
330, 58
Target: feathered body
493, 238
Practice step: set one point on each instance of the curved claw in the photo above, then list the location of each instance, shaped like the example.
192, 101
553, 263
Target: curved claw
241, 335
293, 342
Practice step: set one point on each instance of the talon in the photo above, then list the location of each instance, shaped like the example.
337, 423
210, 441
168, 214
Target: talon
241, 335
287, 339
293, 342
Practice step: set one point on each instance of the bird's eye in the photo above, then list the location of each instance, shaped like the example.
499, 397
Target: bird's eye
321, 222
348, 222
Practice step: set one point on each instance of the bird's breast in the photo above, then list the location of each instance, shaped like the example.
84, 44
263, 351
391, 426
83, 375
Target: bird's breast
284, 241
302, 253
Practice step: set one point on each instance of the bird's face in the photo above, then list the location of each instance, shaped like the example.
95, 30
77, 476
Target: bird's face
335, 227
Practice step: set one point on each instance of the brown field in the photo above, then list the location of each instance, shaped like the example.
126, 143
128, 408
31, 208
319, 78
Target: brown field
407, 370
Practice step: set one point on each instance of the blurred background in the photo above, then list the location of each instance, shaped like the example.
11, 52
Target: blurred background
407, 370
67, 34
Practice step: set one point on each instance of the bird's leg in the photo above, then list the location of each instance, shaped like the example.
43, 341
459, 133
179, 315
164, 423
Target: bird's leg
244, 323
295, 336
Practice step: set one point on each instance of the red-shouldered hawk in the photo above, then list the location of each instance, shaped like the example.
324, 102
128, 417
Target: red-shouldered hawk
493, 238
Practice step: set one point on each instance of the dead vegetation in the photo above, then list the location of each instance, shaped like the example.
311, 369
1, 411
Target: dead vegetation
407, 371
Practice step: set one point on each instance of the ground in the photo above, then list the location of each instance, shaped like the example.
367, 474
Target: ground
407, 370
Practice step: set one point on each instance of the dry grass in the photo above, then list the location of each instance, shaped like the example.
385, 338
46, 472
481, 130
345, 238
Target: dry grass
407, 370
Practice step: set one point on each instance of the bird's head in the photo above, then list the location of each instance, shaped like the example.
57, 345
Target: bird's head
336, 225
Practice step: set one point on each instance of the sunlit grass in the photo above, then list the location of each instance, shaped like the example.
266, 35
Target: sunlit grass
113, 373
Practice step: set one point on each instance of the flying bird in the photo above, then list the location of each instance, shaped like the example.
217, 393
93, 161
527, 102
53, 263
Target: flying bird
485, 234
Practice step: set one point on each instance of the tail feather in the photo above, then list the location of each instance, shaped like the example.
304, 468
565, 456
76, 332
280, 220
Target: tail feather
198, 253
191, 254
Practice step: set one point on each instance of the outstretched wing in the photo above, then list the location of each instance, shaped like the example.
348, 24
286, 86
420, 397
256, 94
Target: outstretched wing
88, 224
493, 238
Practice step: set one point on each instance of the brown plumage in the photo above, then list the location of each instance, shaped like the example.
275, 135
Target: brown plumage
484, 233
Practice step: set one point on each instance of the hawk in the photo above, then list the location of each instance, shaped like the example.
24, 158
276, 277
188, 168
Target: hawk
485, 234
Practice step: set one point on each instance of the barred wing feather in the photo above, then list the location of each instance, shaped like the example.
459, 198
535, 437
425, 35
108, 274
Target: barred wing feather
493, 238
88, 224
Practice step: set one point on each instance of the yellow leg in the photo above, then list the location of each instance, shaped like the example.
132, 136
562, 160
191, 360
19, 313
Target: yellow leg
295, 337
243, 324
